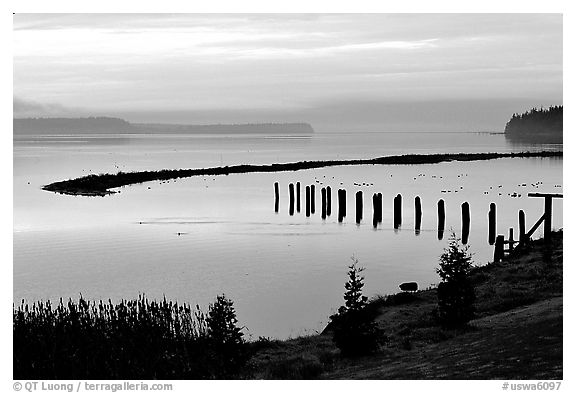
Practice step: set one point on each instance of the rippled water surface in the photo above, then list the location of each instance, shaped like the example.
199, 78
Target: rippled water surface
194, 238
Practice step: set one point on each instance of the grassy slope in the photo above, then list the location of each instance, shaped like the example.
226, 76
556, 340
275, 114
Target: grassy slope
517, 333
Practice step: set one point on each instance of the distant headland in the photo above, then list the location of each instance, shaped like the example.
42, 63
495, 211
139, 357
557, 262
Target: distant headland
112, 126
537, 125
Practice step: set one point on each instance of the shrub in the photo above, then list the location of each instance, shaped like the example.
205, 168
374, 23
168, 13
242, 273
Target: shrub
225, 337
455, 293
131, 339
354, 330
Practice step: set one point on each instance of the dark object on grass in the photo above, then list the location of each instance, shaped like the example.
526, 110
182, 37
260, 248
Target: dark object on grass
409, 286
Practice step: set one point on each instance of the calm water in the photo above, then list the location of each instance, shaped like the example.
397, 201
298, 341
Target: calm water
192, 239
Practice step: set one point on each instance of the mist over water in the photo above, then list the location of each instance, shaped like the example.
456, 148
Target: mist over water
192, 239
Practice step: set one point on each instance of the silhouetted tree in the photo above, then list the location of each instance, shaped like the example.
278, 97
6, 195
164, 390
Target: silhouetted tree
225, 337
455, 293
355, 332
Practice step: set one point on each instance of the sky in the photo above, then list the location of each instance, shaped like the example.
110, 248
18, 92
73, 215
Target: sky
341, 72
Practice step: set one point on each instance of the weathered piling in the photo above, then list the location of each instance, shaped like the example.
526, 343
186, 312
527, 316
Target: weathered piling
276, 197
511, 240
359, 206
499, 248
307, 201
341, 204
298, 197
312, 199
328, 201
522, 226
492, 224
376, 210
380, 207
291, 194
441, 218
547, 218
465, 222
323, 192
417, 214
397, 211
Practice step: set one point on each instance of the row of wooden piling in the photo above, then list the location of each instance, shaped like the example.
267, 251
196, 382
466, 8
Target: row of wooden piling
326, 210
326, 207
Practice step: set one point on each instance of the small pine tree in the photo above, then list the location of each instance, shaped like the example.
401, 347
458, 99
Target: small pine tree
225, 337
355, 332
455, 293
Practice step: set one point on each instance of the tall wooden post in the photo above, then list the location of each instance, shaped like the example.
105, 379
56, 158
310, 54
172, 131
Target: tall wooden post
341, 204
276, 197
312, 199
499, 248
417, 214
359, 207
547, 218
465, 222
298, 197
522, 226
291, 193
328, 201
441, 218
397, 211
323, 192
307, 201
492, 224
375, 210
511, 241
380, 206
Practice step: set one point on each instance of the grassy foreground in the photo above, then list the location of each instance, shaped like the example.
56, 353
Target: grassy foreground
517, 332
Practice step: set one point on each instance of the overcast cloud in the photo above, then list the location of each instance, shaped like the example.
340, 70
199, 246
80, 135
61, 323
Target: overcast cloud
343, 71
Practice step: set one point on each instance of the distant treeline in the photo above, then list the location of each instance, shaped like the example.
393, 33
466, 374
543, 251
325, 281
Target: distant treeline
249, 128
62, 125
111, 125
539, 125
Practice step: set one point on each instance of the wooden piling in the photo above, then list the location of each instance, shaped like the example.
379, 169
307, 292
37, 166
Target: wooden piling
276, 197
341, 204
499, 248
441, 218
307, 201
511, 241
417, 214
397, 211
522, 226
328, 201
375, 210
380, 205
547, 218
359, 207
465, 222
291, 193
492, 224
298, 197
323, 192
312, 199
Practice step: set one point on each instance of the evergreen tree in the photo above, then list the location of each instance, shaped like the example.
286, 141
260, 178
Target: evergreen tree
355, 332
225, 337
455, 293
